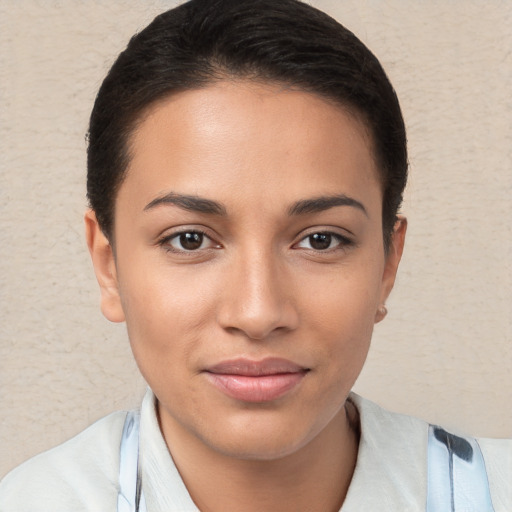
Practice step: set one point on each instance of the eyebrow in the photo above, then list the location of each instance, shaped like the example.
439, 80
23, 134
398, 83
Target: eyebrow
187, 202
208, 206
322, 203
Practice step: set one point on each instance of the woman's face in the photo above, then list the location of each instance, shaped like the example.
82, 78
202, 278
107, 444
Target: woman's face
249, 263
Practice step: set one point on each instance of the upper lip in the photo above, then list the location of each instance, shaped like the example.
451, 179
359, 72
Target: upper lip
251, 368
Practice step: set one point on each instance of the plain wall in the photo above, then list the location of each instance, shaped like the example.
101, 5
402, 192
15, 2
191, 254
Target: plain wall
444, 353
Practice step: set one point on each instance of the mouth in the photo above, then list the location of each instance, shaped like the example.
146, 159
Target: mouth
256, 381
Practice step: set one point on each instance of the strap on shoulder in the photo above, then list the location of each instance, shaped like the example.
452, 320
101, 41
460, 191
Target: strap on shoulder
457, 478
130, 497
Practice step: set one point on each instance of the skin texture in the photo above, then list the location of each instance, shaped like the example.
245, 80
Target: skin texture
257, 286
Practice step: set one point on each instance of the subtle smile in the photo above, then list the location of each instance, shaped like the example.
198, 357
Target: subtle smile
256, 381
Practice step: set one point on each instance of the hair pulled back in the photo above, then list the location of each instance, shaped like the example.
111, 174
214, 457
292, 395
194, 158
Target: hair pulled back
203, 41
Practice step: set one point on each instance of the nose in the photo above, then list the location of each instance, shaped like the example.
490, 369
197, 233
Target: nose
257, 299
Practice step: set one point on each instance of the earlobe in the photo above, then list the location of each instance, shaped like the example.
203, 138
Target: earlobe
104, 267
381, 313
393, 257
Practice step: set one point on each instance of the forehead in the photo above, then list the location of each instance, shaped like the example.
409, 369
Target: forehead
240, 136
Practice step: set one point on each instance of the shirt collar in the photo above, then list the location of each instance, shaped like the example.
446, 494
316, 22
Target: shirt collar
390, 473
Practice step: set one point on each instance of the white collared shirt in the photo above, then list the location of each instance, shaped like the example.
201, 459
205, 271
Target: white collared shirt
82, 474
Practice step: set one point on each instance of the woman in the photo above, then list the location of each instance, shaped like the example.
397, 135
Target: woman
246, 166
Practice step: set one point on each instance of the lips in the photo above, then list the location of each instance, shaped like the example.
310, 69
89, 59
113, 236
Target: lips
256, 381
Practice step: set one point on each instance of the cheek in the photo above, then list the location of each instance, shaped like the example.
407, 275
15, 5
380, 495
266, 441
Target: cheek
346, 300
153, 292
341, 317
164, 333
165, 311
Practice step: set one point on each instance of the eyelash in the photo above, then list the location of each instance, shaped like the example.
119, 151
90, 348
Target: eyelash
343, 242
165, 241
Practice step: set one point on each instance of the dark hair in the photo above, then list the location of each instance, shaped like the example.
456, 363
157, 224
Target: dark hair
203, 41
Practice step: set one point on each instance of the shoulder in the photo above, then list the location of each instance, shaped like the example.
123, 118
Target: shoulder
80, 474
498, 462
395, 451
391, 466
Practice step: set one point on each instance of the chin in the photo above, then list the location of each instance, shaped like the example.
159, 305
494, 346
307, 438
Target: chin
258, 449
259, 440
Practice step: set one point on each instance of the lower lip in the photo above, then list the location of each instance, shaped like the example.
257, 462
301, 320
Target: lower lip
262, 388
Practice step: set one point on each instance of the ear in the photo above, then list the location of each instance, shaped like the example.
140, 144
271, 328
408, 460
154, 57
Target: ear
393, 257
104, 267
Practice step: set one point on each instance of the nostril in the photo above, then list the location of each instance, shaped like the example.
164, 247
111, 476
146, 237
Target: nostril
256, 300
258, 323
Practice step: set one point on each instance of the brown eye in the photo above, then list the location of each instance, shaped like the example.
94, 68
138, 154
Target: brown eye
191, 241
320, 241
194, 243
324, 241
187, 241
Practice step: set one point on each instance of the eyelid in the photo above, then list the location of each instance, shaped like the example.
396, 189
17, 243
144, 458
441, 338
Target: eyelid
164, 239
327, 229
344, 241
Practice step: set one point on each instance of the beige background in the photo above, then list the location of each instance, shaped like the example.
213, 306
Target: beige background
445, 351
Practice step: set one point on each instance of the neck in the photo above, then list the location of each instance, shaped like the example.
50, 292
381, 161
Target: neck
314, 477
